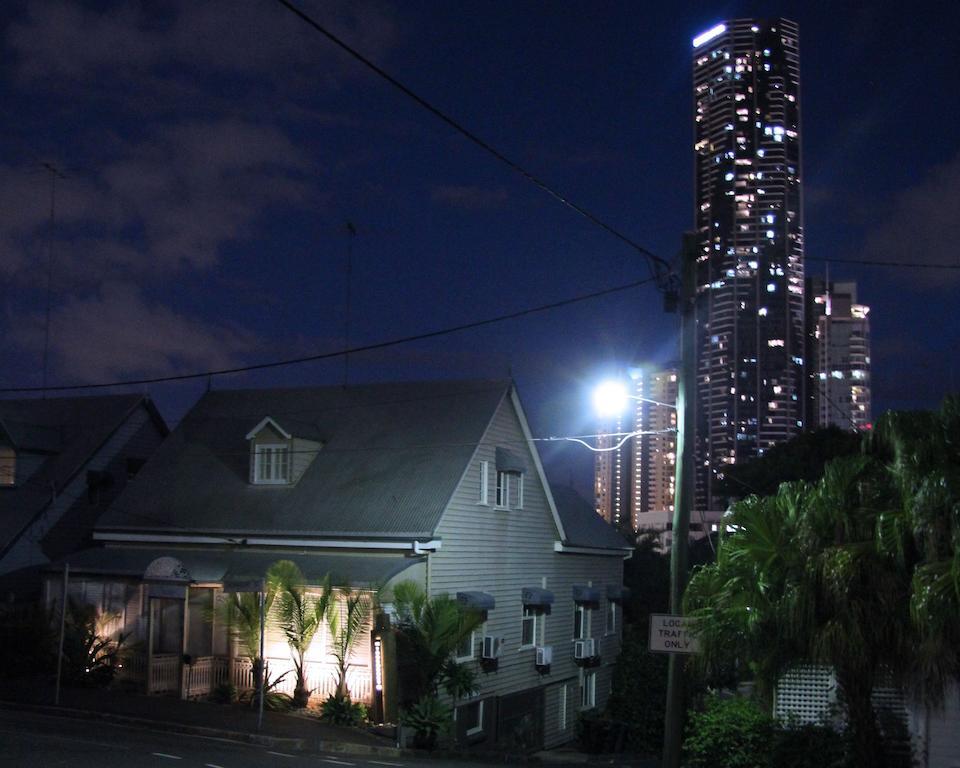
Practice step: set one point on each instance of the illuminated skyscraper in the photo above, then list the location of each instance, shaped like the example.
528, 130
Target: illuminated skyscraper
838, 367
750, 305
638, 476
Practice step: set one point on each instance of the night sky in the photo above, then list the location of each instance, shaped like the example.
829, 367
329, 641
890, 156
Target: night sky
214, 153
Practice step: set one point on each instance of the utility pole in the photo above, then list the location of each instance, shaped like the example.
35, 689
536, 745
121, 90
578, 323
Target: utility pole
683, 493
351, 236
54, 175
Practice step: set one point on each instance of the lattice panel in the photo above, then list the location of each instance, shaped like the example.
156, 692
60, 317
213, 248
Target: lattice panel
806, 694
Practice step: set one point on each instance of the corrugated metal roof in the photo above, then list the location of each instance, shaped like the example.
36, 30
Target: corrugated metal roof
582, 525
69, 430
240, 564
391, 458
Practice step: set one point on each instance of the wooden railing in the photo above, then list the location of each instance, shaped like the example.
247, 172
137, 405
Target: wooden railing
203, 675
133, 667
164, 673
207, 672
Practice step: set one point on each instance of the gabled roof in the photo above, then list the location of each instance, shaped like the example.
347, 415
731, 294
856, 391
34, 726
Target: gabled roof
582, 525
267, 420
67, 431
393, 455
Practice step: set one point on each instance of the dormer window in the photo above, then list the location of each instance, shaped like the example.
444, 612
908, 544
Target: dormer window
271, 463
8, 467
270, 454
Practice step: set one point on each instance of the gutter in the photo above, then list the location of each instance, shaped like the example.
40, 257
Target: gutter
416, 546
559, 546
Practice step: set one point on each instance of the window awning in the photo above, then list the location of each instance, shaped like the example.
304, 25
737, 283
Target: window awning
617, 593
584, 594
476, 601
507, 461
537, 597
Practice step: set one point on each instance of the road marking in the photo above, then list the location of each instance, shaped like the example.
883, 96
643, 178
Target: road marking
281, 754
169, 757
212, 765
384, 762
335, 761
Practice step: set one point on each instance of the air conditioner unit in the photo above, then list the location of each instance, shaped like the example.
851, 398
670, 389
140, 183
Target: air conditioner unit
544, 655
491, 647
584, 649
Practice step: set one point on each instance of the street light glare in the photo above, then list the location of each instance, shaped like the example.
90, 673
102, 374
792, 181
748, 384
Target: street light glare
610, 398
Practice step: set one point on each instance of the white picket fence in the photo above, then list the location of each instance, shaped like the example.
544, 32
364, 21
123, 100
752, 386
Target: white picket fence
205, 673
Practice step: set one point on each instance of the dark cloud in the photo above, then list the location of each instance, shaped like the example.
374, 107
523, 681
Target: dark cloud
118, 333
65, 40
922, 226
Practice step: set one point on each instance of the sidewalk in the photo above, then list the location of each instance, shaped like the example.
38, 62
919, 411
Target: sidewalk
280, 729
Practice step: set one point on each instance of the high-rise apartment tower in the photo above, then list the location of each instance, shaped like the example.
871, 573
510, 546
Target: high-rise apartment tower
749, 220
838, 356
634, 476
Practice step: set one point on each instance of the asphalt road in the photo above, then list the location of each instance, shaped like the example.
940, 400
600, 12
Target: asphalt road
29, 739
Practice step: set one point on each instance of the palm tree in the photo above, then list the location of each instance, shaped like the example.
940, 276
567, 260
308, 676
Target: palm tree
920, 528
433, 628
347, 622
800, 580
240, 613
301, 616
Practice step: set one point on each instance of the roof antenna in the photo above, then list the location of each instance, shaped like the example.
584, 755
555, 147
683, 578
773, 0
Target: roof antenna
55, 174
351, 236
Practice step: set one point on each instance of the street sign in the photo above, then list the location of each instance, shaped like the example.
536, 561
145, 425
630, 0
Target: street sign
671, 634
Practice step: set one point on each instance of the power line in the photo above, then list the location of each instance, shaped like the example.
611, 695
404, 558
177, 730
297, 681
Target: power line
879, 263
654, 261
338, 353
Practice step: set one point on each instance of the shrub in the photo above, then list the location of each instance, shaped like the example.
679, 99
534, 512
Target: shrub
224, 693
26, 635
428, 717
90, 659
729, 733
810, 746
340, 710
639, 690
737, 733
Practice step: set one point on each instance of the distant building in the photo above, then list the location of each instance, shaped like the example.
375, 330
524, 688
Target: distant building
637, 477
838, 351
62, 462
749, 222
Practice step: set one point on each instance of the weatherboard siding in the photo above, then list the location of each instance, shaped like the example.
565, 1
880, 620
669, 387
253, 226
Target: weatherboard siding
501, 552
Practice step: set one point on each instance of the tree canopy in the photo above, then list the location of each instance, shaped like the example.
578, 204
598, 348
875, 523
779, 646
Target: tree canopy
802, 458
859, 570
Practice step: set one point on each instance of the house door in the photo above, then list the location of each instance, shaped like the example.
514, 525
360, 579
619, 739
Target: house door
520, 721
167, 625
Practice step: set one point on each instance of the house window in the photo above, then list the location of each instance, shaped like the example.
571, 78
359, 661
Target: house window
509, 489
563, 707
588, 689
503, 489
465, 647
484, 482
8, 467
272, 464
528, 626
471, 715
611, 617
581, 622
